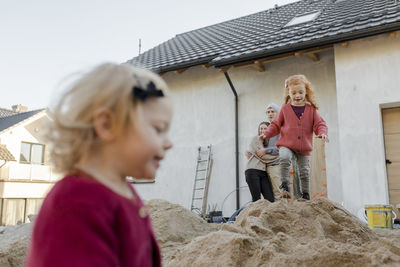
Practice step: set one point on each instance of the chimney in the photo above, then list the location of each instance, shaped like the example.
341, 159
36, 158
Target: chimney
19, 108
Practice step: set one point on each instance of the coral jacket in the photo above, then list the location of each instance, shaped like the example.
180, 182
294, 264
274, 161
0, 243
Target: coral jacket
83, 223
297, 134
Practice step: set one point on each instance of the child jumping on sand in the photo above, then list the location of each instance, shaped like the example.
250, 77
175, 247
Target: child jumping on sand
112, 123
296, 122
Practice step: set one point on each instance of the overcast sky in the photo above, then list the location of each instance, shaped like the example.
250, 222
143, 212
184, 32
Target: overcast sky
44, 41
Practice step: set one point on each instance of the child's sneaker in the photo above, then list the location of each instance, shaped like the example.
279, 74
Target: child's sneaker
305, 196
284, 190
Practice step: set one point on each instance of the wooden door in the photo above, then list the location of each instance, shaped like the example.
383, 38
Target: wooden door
391, 131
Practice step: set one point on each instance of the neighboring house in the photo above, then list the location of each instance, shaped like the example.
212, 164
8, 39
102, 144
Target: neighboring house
25, 176
349, 49
6, 112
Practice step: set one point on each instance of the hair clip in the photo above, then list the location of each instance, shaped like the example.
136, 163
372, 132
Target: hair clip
148, 92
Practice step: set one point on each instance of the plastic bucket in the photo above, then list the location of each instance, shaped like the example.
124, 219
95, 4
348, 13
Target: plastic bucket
380, 216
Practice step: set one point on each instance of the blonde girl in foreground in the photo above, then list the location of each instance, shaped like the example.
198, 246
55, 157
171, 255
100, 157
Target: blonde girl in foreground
112, 123
296, 122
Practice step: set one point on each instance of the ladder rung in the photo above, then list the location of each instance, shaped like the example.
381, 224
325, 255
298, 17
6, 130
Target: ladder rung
201, 170
199, 188
202, 160
197, 198
200, 179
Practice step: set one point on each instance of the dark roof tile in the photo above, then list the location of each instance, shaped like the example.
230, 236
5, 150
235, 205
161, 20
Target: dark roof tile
6, 112
264, 33
7, 122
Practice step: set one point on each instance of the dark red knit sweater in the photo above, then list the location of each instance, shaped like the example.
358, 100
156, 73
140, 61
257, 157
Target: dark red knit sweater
83, 223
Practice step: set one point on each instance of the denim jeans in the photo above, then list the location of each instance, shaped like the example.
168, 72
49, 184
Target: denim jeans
303, 166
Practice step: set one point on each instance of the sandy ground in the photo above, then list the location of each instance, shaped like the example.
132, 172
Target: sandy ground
313, 233
13, 243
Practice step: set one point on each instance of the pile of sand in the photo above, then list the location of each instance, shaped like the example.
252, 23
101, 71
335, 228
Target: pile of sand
175, 226
313, 233
14, 241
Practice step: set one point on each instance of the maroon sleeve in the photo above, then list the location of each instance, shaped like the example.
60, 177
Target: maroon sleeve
72, 232
319, 125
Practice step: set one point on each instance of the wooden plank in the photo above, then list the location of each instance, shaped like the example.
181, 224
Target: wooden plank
224, 68
313, 50
318, 186
258, 66
284, 56
180, 70
276, 58
391, 120
314, 57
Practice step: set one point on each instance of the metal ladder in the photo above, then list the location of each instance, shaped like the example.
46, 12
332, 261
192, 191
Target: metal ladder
201, 181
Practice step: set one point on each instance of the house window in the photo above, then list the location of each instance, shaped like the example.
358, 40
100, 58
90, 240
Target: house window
31, 153
302, 19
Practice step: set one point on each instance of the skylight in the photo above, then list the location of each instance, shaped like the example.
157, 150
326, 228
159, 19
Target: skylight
302, 19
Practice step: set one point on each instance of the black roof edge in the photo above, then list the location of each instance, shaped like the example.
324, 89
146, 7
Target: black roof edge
200, 61
308, 45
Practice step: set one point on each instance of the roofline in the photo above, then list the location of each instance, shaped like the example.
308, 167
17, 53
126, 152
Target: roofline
309, 44
193, 63
41, 112
274, 52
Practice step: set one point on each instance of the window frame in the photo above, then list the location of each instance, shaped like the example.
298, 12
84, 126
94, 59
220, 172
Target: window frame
291, 23
31, 145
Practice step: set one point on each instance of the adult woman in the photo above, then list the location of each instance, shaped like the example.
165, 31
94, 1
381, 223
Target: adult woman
256, 176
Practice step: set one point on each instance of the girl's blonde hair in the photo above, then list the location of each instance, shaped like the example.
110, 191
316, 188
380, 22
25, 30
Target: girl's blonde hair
71, 135
296, 80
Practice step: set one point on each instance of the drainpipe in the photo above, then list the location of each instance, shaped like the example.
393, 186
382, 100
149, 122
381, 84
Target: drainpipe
236, 139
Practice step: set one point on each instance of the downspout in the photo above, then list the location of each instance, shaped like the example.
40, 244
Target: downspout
236, 139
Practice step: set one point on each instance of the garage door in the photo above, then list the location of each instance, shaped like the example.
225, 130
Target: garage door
391, 130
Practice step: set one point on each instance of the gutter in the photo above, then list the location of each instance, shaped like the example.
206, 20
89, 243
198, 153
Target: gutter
236, 138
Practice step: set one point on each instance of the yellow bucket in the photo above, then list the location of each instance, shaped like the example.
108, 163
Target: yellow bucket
379, 216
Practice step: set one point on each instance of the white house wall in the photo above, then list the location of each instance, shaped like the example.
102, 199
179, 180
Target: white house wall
204, 114
368, 78
11, 189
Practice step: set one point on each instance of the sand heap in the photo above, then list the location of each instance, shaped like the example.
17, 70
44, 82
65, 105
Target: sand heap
314, 233
175, 226
13, 243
